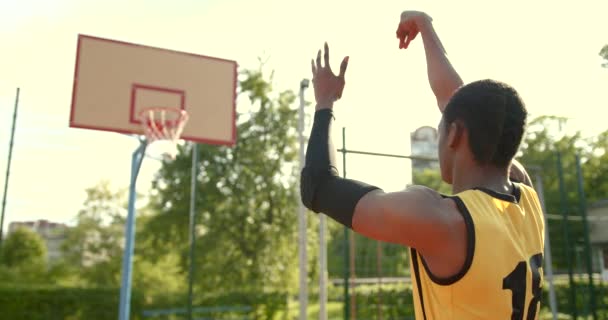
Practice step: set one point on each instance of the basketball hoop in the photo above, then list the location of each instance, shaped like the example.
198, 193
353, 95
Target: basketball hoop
163, 126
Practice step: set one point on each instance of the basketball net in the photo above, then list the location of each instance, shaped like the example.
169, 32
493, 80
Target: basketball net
163, 127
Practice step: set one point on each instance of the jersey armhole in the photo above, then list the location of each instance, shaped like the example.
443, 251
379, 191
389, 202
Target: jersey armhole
470, 227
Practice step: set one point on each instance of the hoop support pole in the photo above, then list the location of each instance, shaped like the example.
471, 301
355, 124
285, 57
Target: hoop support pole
192, 227
127, 260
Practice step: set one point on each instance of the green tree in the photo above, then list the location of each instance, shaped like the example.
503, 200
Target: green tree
595, 171
23, 247
246, 199
23, 257
544, 139
93, 248
604, 55
432, 179
161, 275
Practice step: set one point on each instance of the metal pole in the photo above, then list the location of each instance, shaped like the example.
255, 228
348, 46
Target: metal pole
583, 207
600, 258
8, 165
548, 258
192, 225
379, 275
127, 260
388, 155
353, 276
346, 242
564, 209
322, 267
302, 235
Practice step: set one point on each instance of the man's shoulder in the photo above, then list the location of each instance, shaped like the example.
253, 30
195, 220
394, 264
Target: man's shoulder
433, 199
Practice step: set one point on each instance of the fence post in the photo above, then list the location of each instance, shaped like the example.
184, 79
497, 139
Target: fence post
583, 208
548, 257
564, 209
302, 218
346, 243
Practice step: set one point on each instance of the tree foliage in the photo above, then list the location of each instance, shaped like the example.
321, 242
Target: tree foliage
23, 247
93, 248
604, 55
23, 257
545, 139
432, 179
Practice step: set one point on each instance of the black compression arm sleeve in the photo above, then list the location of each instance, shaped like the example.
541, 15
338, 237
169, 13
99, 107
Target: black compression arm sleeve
321, 188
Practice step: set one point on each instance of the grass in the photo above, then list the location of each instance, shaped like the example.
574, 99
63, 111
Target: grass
334, 311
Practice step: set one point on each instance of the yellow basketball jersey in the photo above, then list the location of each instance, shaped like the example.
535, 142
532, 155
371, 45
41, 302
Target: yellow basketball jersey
502, 274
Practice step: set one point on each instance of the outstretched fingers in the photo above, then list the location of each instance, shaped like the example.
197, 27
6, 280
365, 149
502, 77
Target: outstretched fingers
406, 32
316, 65
326, 56
407, 41
343, 66
319, 60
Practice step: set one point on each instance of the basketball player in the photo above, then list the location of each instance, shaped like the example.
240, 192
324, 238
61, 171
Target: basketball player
476, 254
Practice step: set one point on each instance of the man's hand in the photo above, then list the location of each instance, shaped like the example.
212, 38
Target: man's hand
328, 87
444, 80
518, 173
409, 26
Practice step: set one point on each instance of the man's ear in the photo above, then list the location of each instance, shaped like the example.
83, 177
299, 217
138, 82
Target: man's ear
456, 134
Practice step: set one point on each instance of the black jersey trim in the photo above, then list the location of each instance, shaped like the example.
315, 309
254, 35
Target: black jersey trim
470, 226
514, 197
418, 281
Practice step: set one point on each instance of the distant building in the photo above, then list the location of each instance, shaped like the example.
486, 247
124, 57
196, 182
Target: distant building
598, 234
424, 142
52, 233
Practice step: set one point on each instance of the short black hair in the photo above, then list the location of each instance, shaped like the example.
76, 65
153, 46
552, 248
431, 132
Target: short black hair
495, 117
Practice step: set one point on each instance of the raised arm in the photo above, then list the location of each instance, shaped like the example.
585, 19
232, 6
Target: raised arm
443, 78
417, 217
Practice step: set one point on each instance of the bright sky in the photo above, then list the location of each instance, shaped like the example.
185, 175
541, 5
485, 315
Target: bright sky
548, 50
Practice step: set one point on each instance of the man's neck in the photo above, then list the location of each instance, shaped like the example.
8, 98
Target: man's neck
475, 176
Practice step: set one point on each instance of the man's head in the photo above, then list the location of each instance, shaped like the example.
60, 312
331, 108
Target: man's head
483, 123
